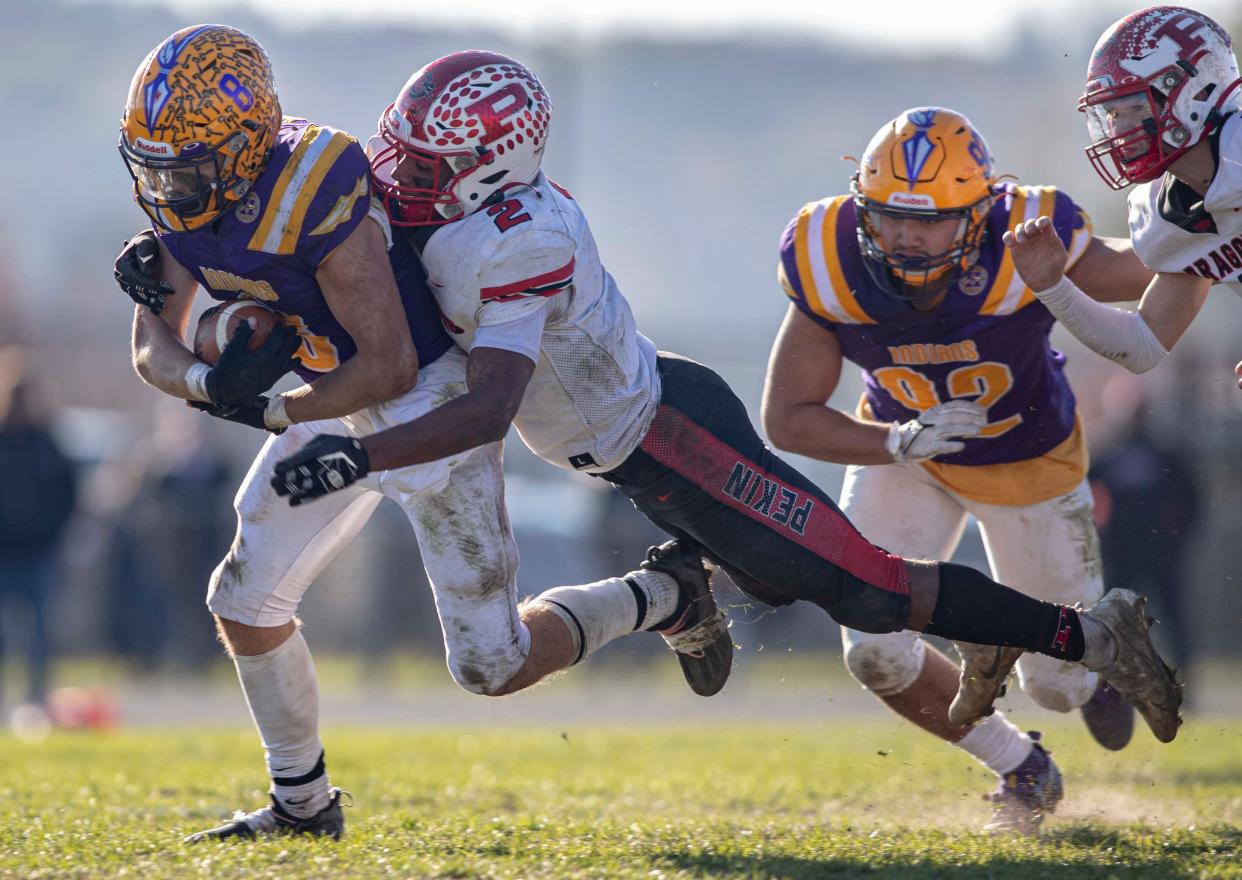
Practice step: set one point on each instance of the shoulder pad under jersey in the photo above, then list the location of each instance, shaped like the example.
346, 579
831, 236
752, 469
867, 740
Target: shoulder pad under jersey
810, 269
524, 263
321, 192
1007, 293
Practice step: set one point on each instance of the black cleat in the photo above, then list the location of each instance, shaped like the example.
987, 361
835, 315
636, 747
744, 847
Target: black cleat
275, 820
699, 632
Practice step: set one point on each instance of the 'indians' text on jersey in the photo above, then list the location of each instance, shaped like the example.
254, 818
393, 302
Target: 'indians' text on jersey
987, 341
313, 192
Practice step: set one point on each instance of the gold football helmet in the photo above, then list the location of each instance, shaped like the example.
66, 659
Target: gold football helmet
926, 166
200, 122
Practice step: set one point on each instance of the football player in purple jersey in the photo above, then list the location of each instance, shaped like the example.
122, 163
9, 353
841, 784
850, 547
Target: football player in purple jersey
966, 411
247, 204
553, 349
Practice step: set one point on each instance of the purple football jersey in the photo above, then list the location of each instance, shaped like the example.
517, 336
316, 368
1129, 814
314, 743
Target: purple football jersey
988, 340
313, 192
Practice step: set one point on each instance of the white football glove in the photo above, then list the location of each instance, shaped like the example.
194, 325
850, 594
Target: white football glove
937, 431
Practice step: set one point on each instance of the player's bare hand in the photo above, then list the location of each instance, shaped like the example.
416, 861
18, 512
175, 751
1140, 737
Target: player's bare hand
1038, 253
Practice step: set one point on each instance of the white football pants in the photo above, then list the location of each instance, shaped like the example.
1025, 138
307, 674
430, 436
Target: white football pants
1047, 550
456, 506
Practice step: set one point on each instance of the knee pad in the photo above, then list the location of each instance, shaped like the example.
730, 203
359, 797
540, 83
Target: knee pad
1055, 684
885, 666
484, 668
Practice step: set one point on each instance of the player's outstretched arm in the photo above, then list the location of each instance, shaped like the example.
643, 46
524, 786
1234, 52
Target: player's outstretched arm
358, 285
802, 374
1136, 340
496, 379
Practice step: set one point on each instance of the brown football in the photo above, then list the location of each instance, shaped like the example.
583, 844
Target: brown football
217, 325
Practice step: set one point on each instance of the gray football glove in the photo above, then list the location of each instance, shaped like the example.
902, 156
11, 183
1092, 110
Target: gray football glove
937, 431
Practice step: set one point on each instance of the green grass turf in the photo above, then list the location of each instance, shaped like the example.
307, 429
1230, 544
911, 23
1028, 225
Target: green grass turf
871, 799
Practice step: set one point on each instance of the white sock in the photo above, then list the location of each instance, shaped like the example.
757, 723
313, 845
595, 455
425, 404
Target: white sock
1099, 646
605, 610
996, 743
283, 697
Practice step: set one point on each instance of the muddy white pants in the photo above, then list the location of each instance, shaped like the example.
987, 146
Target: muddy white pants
456, 506
1047, 550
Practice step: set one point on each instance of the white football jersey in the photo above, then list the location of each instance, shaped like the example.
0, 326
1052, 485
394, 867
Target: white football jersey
1205, 244
530, 262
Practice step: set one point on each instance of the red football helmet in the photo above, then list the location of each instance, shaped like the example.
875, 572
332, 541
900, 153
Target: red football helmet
464, 127
1159, 81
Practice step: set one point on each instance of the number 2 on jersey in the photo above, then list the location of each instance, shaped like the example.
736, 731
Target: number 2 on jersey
506, 216
990, 381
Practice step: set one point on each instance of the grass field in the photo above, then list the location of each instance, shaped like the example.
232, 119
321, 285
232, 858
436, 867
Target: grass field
871, 799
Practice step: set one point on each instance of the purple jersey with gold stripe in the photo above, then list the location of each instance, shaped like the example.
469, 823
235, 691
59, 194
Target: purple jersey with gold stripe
987, 340
313, 192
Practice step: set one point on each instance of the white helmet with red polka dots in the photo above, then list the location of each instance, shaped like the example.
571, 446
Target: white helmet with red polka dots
463, 128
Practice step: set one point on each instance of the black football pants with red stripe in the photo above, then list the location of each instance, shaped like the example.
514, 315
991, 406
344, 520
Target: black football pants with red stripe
702, 473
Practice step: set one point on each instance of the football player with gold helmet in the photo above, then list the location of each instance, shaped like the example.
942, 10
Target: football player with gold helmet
247, 204
553, 349
966, 411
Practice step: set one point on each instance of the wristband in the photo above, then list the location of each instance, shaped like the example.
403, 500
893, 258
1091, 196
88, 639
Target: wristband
196, 382
274, 416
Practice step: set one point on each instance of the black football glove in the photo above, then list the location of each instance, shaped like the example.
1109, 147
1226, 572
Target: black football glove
326, 464
245, 414
241, 375
135, 271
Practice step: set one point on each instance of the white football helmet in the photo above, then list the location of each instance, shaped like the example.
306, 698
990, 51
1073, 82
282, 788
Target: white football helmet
465, 127
1159, 81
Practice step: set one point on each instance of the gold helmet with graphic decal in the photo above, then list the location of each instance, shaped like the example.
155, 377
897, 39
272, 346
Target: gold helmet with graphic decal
926, 166
199, 125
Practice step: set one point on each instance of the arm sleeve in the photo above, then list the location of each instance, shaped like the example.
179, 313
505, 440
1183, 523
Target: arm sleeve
1122, 337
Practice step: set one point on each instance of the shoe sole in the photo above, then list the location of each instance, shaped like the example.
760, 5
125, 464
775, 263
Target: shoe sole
1162, 712
707, 671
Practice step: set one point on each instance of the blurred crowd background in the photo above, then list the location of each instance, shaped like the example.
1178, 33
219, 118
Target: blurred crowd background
689, 156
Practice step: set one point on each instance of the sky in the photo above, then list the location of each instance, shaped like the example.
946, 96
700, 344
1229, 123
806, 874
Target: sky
915, 27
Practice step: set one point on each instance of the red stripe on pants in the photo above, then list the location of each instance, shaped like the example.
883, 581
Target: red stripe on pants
679, 443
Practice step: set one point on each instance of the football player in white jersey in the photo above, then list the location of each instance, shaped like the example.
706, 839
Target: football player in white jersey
1162, 100
553, 350
375, 354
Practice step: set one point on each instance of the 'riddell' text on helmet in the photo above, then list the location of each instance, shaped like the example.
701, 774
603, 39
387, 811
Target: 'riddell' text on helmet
200, 122
464, 128
1159, 80
926, 166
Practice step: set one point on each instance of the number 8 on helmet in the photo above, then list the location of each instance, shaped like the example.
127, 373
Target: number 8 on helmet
200, 122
